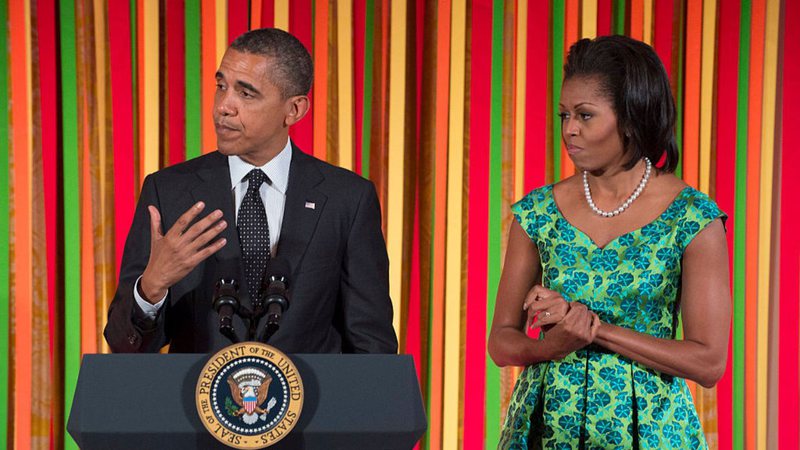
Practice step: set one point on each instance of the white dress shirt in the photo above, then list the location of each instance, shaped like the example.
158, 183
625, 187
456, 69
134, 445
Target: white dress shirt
273, 195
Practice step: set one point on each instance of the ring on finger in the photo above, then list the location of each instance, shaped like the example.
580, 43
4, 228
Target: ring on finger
547, 314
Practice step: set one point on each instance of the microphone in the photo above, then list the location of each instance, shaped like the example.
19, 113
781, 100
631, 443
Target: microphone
276, 294
226, 298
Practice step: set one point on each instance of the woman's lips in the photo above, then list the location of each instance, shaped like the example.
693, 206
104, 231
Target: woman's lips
574, 149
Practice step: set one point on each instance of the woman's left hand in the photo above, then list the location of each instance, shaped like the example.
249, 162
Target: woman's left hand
545, 305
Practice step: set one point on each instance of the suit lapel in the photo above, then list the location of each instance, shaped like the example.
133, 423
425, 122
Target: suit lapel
214, 188
304, 205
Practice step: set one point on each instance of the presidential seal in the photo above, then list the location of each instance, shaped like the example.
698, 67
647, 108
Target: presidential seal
249, 395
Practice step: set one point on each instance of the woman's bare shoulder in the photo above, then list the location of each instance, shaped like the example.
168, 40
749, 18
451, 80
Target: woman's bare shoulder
567, 186
667, 185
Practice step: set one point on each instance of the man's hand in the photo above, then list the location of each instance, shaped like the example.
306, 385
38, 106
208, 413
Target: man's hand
174, 254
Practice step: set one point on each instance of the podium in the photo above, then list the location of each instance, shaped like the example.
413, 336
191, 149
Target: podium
147, 401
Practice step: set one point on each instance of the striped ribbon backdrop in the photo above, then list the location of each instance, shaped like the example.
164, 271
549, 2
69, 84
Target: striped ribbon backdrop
448, 107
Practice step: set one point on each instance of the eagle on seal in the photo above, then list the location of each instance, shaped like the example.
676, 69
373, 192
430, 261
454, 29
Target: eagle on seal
249, 398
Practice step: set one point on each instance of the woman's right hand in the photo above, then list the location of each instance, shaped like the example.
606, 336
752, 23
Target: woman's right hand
546, 306
576, 330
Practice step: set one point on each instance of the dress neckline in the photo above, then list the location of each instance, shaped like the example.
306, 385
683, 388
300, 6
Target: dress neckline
618, 237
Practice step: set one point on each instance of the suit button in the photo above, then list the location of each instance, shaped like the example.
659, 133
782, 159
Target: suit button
132, 339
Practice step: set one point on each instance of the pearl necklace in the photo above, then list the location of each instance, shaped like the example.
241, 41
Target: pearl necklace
626, 203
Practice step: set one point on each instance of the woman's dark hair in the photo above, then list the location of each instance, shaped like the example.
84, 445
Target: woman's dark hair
633, 77
292, 68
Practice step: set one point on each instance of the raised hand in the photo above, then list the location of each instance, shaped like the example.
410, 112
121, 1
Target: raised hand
174, 254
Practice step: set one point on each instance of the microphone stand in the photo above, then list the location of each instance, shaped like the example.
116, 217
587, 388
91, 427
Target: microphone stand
253, 318
226, 303
229, 333
269, 330
270, 300
277, 301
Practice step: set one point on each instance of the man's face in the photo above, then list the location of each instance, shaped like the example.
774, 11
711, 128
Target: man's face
251, 117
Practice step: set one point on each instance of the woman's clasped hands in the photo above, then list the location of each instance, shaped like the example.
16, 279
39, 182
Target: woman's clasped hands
568, 326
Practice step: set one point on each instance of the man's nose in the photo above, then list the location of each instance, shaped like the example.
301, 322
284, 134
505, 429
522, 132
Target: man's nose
225, 107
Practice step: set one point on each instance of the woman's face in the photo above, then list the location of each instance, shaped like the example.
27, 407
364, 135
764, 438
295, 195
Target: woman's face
589, 125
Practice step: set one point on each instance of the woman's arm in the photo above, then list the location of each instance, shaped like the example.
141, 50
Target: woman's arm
508, 343
706, 313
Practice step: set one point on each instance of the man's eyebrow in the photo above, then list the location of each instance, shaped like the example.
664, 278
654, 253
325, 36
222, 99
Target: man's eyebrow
242, 84
247, 86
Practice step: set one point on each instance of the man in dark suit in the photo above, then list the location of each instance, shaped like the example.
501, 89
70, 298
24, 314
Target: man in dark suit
323, 220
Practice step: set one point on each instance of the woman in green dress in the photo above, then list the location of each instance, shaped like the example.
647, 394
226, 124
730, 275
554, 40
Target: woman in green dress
604, 262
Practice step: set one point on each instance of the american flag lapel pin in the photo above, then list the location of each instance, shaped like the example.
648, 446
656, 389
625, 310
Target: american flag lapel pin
311, 205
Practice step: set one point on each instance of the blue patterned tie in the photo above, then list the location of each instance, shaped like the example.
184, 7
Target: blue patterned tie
254, 232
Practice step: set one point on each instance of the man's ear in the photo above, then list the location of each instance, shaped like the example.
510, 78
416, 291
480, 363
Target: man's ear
297, 107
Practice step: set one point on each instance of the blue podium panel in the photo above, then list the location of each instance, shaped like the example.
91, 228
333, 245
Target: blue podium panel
147, 401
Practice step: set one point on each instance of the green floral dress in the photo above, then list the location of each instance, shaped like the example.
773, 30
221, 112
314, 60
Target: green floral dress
594, 398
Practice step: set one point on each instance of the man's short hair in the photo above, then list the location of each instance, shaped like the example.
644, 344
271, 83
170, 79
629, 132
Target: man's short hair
292, 69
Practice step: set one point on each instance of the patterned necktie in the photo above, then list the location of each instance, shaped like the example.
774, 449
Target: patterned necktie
254, 232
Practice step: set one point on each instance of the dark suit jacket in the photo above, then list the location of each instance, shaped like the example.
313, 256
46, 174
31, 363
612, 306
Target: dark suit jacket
339, 287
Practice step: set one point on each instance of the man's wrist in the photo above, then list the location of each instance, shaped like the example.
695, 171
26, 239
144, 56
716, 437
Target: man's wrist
153, 294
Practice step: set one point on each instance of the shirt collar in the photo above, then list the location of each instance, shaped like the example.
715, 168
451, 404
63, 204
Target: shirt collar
277, 169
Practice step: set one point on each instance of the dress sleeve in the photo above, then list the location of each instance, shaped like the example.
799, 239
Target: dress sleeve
700, 212
526, 213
